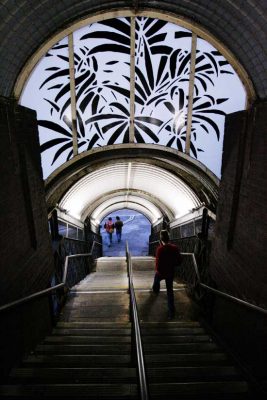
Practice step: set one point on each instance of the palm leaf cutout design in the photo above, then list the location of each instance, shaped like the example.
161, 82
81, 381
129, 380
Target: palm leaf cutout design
161, 81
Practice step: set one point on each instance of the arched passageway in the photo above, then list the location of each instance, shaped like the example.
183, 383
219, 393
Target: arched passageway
136, 231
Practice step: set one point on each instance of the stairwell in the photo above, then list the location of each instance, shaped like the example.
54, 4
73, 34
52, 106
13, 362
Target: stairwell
89, 352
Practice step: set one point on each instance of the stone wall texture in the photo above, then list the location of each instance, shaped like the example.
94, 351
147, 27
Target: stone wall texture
26, 253
239, 251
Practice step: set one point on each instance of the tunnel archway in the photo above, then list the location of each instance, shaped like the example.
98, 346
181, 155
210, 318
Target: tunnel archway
151, 180
135, 231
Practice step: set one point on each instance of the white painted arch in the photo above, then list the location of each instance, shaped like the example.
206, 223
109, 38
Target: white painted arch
166, 194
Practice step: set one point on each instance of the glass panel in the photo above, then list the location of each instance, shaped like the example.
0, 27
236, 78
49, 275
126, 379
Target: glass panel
218, 91
187, 230
80, 234
72, 232
48, 92
102, 78
162, 62
62, 228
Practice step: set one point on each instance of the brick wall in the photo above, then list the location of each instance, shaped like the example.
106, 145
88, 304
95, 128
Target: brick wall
26, 254
239, 250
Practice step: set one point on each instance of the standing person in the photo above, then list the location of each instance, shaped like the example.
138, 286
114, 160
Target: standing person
167, 257
118, 227
109, 226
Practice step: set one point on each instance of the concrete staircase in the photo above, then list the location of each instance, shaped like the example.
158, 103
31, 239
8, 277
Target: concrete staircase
79, 360
182, 359
88, 354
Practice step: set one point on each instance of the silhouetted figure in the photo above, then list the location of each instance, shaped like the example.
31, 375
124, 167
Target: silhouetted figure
118, 227
109, 226
167, 258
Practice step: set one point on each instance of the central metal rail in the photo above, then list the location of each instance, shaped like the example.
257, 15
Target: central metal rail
144, 393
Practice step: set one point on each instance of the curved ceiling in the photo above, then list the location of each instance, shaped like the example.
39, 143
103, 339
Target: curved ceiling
131, 201
241, 26
135, 179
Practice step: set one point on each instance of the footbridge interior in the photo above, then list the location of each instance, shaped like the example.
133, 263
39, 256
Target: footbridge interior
155, 112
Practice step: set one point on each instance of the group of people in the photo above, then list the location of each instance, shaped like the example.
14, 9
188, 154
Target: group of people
110, 226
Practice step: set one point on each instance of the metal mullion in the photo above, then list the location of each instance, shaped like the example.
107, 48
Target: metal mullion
73, 95
191, 93
132, 80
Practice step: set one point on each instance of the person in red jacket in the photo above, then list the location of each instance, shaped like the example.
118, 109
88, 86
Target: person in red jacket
167, 257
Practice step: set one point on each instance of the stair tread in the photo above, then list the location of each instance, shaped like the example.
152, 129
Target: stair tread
186, 359
192, 373
78, 360
179, 348
170, 324
83, 390
172, 331
93, 332
199, 387
94, 325
84, 348
176, 339
77, 374
87, 339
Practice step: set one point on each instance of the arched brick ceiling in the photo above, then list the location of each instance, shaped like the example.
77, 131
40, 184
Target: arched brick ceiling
240, 25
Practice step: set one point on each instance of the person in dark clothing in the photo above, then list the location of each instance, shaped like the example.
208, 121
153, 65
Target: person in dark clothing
167, 257
118, 227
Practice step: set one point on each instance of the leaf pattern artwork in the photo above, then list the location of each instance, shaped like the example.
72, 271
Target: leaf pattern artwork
102, 86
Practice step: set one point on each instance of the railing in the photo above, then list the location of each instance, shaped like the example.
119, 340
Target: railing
52, 288
144, 395
219, 292
193, 278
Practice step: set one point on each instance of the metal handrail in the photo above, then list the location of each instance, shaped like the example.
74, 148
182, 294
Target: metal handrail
223, 294
219, 292
52, 288
139, 348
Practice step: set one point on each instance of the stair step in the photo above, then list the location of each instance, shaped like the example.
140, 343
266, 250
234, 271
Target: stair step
95, 311
99, 319
186, 359
170, 390
179, 348
83, 349
171, 324
184, 374
172, 331
176, 339
75, 391
73, 375
87, 339
93, 325
91, 332
78, 360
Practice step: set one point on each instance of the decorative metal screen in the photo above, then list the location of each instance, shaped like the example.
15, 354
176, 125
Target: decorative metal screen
161, 81
162, 73
217, 92
48, 92
102, 80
